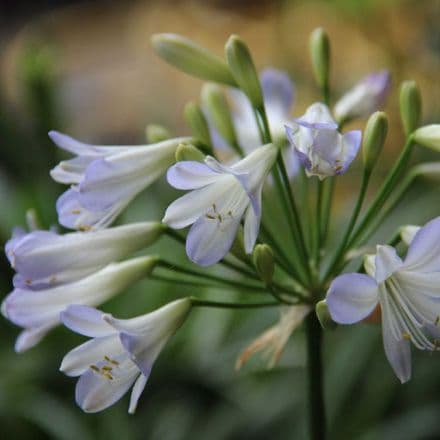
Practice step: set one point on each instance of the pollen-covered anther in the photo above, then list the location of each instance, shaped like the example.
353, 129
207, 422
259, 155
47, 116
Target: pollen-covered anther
406, 336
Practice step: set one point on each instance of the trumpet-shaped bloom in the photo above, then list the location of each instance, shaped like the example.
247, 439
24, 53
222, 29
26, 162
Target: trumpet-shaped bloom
44, 259
408, 292
121, 353
106, 178
321, 149
221, 196
365, 97
37, 311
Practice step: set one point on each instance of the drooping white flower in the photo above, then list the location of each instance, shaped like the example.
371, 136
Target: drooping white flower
121, 353
221, 196
37, 311
44, 259
364, 98
106, 178
408, 292
321, 149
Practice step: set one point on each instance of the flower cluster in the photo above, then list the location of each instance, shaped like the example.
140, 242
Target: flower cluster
243, 136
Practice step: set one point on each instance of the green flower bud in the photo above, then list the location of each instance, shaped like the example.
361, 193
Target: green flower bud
197, 121
374, 139
323, 316
189, 152
320, 54
428, 170
410, 106
215, 102
157, 133
243, 70
428, 136
191, 58
264, 262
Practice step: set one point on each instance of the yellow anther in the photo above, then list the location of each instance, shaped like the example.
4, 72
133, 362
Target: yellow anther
406, 336
76, 211
95, 368
112, 361
106, 368
108, 376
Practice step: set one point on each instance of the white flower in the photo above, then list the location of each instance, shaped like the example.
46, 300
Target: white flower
408, 292
121, 353
221, 196
37, 311
106, 178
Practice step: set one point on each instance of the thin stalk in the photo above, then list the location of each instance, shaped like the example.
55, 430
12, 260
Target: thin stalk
384, 192
317, 223
195, 302
343, 243
315, 382
327, 199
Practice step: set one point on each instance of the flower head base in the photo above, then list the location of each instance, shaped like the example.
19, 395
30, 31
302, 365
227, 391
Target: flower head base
106, 178
121, 353
364, 98
221, 196
321, 149
408, 292
38, 311
44, 259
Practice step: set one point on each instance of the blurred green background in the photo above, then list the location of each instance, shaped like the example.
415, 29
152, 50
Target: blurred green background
87, 68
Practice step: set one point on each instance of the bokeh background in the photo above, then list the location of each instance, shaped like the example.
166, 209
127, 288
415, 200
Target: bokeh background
87, 68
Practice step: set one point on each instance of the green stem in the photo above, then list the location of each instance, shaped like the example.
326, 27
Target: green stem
384, 192
316, 410
343, 243
224, 305
317, 223
327, 198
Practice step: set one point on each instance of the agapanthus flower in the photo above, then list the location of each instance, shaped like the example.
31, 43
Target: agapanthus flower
364, 98
273, 341
321, 149
106, 179
221, 196
44, 259
121, 353
408, 292
37, 311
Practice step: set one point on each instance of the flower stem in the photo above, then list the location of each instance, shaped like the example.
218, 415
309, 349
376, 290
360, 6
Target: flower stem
226, 305
316, 409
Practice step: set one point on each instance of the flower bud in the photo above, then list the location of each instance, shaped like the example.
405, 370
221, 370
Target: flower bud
429, 170
196, 120
410, 106
157, 133
428, 136
191, 58
320, 54
243, 70
374, 139
264, 262
189, 152
323, 316
408, 232
215, 102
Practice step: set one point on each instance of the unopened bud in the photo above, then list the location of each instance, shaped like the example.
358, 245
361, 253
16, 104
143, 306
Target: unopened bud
191, 58
410, 106
264, 262
428, 136
214, 101
320, 54
237, 249
243, 70
408, 232
374, 139
157, 133
189, 152
323, 316
428, 170
196, 120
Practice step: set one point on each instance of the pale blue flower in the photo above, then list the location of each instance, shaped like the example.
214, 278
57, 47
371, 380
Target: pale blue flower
106, 178
221, 196
408, 292
121, 353
367, 96
321, 149
44, 259
37, 311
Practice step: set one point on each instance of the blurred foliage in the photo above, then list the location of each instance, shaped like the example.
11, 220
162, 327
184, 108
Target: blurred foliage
194, 392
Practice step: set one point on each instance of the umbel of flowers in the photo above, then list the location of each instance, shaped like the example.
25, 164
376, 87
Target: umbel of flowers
245, 146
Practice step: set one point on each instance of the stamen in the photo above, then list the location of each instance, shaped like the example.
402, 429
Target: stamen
406, 336
95, 368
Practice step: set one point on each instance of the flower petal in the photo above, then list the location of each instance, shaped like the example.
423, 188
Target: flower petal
387, 262
190, 175
138, 387
30, 337
252, 222
278, 92
352, 297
